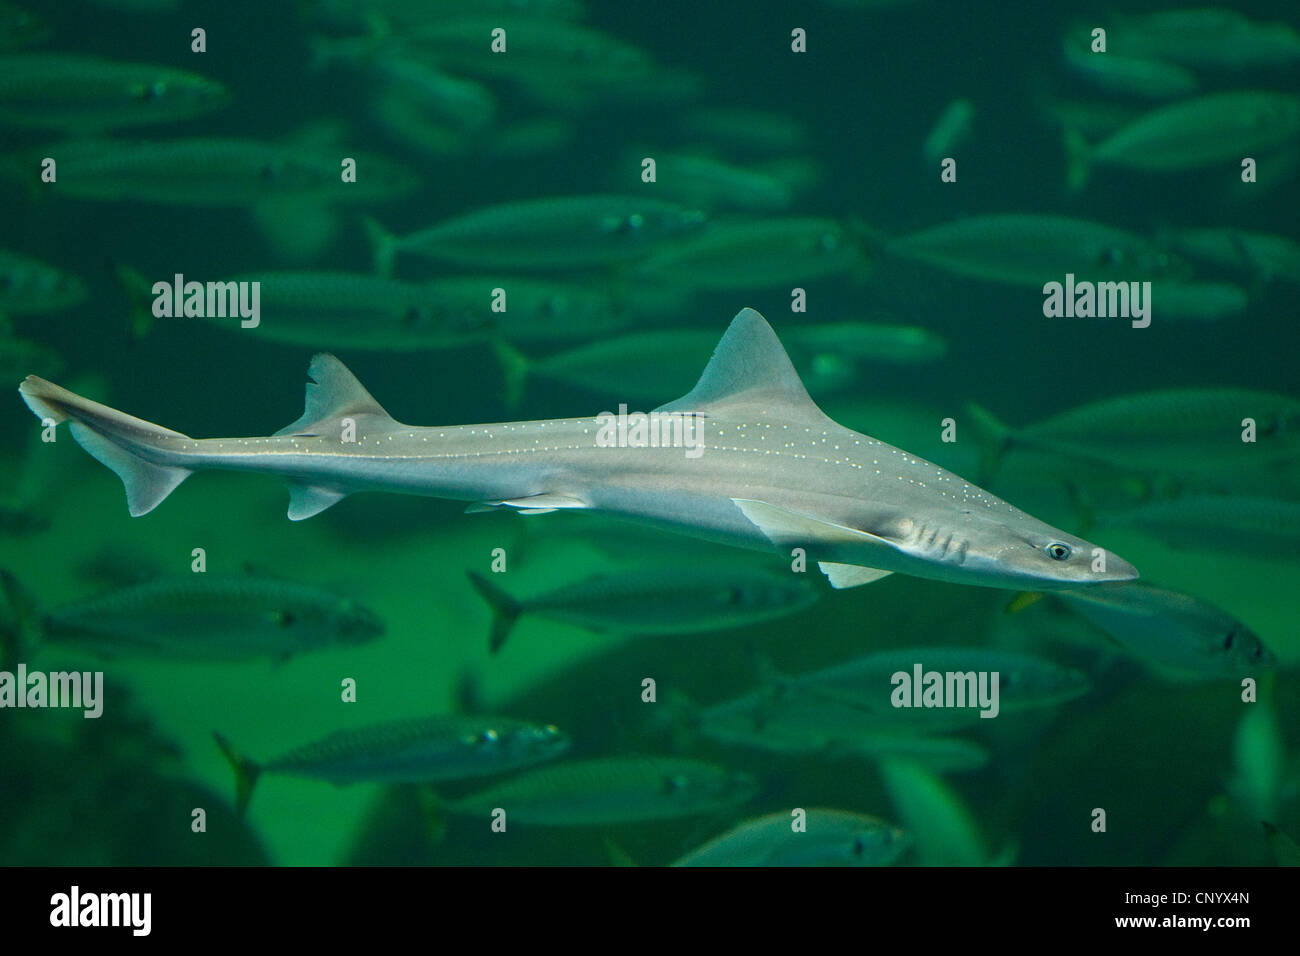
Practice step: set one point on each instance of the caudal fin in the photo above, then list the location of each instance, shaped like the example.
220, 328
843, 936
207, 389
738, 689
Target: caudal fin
505, 609
246, 773
113, 437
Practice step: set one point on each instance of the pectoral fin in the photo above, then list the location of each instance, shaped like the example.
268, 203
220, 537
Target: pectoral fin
850, 575
793, 529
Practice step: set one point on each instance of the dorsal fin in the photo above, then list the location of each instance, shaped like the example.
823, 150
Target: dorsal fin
334, 393
750, 373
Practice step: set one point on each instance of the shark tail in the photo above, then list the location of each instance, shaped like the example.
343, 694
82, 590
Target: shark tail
247, 773
384, 246
113, 437
994, 437
505, 610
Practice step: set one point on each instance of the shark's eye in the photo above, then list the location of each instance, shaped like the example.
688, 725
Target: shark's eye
1058, 551
1229, 640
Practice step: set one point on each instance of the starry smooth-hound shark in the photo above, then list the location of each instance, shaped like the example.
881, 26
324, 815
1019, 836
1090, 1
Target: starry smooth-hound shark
753, 463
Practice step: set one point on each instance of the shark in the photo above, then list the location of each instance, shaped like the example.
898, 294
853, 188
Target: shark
763, 468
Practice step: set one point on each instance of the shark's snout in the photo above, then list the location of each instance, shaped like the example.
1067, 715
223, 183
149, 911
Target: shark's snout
1117, 569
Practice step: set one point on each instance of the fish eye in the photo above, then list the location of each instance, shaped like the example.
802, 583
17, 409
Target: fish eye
285, 618
828, 242
151, 91
1058, 551
270, 173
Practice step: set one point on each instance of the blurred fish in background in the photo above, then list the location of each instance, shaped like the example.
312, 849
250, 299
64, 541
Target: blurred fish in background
504, 209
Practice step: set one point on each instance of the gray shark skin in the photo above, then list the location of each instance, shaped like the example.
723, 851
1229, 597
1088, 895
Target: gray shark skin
771, 472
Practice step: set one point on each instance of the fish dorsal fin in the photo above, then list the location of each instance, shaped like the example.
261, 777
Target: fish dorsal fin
750, 374
334, 393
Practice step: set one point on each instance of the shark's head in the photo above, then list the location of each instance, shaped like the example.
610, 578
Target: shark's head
1012, 549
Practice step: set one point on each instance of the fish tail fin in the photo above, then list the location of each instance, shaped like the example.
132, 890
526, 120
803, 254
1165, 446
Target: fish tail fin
994, 437
139, 293
505, 609
114, 438
514, 370
383, 246
1078, 159
246, 773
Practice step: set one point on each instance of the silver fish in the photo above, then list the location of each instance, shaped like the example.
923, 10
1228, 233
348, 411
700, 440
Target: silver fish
1172, 431
1237, 524
28, 285
1030, 249
612, 790
669, 599
204, 171
1172, 629
426, 750
747, 459
91, 95
829, 838
1207, 37
210, 618
1192, 133
646, 365
564, 232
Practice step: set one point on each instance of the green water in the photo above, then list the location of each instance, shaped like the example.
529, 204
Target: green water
1156, 754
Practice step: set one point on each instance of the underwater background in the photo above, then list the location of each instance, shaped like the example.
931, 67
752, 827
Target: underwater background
1184, 770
